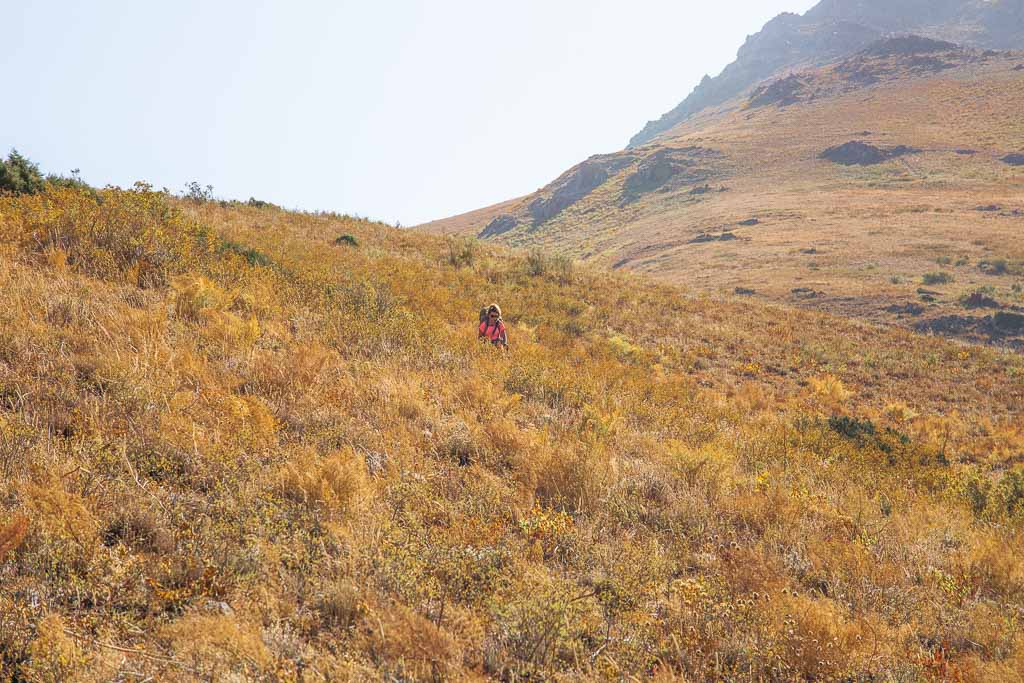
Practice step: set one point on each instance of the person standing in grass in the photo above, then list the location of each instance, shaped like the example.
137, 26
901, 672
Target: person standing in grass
492, 327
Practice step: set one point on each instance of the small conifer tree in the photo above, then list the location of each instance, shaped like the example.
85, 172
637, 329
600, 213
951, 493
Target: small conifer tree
18, 175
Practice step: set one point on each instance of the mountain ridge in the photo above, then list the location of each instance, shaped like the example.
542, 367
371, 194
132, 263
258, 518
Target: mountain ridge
836, 28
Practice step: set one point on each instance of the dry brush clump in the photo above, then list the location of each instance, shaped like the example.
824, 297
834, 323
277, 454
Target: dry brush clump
290, 459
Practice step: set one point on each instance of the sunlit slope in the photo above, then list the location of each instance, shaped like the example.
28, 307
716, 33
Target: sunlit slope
851, 239
240, 442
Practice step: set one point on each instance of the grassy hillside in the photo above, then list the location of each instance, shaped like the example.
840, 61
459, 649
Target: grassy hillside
237, 442
861, 241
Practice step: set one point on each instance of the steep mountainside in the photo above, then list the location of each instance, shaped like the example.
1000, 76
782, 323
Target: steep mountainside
836, 28
884, 185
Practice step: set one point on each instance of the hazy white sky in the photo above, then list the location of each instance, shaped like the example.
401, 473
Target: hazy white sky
403, 110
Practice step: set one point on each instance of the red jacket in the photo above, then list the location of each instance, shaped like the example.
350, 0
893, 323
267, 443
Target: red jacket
495, 332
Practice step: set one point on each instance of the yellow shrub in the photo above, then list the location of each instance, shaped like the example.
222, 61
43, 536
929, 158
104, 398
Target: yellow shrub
830, 389
197, 296
62, 514
54, 656
217, 643
412, 647
125, 235
335, 485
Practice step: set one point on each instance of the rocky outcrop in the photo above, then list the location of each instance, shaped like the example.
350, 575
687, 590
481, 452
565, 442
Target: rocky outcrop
909, 45
704, 238
858, 153
1013, 159
671, 168
834, 29
1008, 323
1004, 327
576, 184
499, 226
889, 58
782, 93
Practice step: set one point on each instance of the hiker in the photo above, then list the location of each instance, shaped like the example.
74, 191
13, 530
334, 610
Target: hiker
492, 327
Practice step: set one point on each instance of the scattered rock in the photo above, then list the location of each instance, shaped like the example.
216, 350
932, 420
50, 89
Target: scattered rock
911, 308
858, 153
1019, 67
1014, 159
806, 293
499, 226
750, 221
744, 291
811, 250
966, 152
218, 607
989, 207
702, 189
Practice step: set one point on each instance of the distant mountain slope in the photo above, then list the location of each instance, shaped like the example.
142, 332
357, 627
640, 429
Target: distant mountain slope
882, 186
836, 28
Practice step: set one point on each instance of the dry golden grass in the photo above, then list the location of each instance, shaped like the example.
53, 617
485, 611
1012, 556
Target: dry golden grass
242, 450
862, 238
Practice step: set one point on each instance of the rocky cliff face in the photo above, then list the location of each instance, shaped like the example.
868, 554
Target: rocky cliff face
837, 28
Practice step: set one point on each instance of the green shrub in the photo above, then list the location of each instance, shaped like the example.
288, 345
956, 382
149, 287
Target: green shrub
1001, 266
937, 278
348, 239
195, 192
866, 433
539, 264
18, 175
72, 182
253, 256
998, 266
999, 500
462, 252
851, 427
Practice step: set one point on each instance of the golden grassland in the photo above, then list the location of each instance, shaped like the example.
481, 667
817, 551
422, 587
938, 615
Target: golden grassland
241, 443
862, 237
